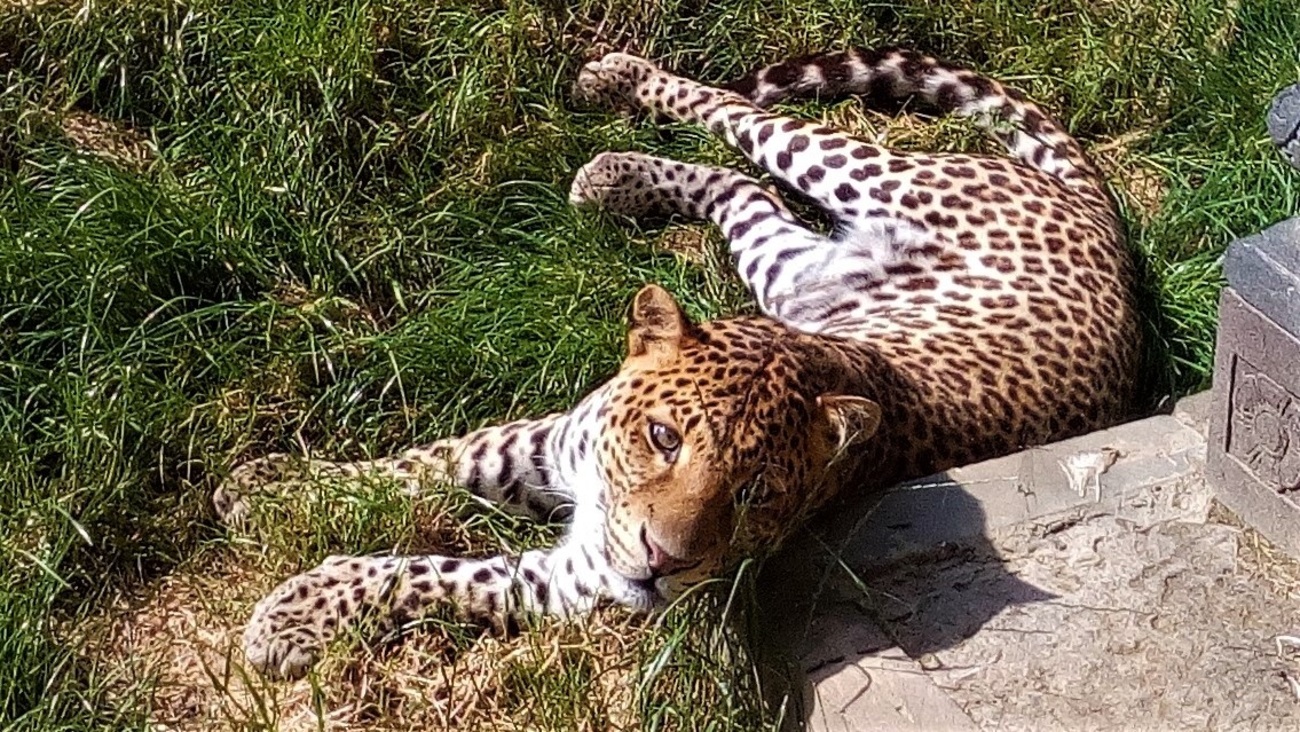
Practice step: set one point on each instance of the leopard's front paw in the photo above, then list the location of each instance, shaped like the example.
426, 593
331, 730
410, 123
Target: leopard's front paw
613, 81
613, 181
291, 626
278, 652
231, 499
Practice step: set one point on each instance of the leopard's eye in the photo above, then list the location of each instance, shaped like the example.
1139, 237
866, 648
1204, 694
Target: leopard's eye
665, 439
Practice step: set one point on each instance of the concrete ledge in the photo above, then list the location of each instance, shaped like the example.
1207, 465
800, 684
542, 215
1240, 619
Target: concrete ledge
1146, 471
1195, 410
1284, 123
881, 691
861, 676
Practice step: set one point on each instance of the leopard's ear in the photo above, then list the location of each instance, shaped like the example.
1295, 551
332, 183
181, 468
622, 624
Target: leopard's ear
851, 419
658, 326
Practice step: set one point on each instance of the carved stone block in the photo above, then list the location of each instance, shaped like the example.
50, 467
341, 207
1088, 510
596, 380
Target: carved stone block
1253, 459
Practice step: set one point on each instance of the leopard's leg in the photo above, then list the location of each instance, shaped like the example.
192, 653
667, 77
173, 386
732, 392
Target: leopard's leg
879, 238
550, 460
513, 465
799, 277
830, 167
293, 624
769, 246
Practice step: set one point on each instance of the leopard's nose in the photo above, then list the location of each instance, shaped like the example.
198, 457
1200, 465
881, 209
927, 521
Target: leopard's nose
658, 559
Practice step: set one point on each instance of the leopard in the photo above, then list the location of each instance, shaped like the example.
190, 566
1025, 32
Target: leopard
959, 306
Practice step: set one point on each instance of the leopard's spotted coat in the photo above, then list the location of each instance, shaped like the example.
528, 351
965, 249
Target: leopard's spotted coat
964, 306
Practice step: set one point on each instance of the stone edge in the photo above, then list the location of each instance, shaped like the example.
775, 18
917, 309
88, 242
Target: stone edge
1148, 470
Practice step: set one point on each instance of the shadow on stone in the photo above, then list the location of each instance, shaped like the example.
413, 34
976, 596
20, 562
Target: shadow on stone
875, 580
886, 605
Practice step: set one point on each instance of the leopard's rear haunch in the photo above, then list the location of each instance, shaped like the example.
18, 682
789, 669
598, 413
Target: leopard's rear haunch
964, 306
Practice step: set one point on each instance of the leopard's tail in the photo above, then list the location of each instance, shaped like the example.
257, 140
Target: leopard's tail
887, 77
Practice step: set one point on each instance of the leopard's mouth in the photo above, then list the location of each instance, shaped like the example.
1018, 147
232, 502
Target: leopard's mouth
665, 586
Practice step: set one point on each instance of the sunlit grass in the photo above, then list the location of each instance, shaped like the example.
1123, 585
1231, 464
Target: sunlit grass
353, 235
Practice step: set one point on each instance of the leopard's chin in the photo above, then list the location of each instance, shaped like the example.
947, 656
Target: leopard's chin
641, 595
648, 586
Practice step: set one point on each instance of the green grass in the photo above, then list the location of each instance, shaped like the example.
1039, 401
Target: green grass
356, 236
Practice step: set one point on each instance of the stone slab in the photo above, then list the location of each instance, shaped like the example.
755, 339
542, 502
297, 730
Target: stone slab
1195, 410
1168, 627
864, 669
1254, 442
859, 677
1264, 270
1139, 471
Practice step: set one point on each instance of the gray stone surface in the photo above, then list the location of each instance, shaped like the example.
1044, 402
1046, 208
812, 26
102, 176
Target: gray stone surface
1139, 629
1264, 269
1135, 470
1195, 410
857, 675
999, 596
1284, 122
1254, 442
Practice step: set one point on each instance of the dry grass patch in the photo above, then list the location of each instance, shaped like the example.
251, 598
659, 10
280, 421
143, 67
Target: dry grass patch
173, 648
178, 646
904, 131
1260, 557
1142, 186
108, 139
691, 242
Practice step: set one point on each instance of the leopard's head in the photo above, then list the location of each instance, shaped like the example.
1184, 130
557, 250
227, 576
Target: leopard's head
716, 440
